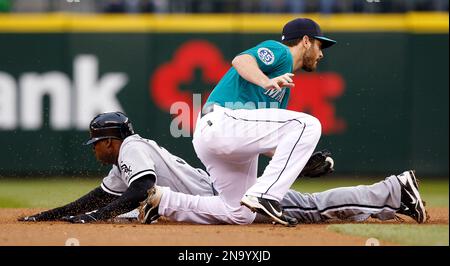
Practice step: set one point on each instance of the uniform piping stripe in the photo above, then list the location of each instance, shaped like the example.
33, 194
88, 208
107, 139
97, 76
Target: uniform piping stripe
110, 191
287, 161
266, 121
338, 207
140, 174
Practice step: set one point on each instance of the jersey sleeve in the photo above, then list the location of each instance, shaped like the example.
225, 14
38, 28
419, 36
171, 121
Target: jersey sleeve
269, 55
134, 162
113, 183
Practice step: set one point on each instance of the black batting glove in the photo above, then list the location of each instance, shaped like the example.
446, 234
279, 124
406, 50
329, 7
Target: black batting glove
40, 217
82, 218
33, 218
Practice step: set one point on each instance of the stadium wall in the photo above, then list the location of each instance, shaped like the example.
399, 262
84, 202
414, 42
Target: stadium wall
381, 93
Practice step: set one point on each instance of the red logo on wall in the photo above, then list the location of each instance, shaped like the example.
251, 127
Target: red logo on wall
165, 84
314, 93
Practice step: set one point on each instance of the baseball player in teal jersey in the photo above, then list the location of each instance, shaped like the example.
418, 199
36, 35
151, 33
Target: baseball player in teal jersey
273, 58
244, 117
262, 78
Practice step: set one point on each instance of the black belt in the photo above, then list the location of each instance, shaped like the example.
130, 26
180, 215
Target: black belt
207, 109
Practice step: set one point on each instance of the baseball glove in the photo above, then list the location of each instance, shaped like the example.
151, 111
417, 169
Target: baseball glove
319, 164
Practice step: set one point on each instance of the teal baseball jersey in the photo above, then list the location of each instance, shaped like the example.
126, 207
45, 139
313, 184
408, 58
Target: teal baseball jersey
232, 91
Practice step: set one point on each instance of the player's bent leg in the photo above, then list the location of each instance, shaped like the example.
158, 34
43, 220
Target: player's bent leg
231, 174
293, 139
202, 210
248, 133
297, 141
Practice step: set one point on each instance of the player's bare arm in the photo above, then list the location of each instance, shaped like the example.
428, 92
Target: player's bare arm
248, 69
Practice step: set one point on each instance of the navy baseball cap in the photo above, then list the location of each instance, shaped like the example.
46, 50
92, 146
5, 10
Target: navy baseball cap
300, 27
112, 125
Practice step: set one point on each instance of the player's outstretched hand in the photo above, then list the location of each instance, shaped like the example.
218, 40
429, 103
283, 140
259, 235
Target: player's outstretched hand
40, 217
81, 219
279, 82
33, 218
50, 215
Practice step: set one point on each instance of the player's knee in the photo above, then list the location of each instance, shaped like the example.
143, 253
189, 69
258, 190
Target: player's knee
315, 127
242, 215
310, 124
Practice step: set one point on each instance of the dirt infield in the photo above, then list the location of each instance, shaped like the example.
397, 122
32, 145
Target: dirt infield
164, 233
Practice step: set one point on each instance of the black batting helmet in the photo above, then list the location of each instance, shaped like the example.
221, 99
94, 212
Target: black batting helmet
114, 125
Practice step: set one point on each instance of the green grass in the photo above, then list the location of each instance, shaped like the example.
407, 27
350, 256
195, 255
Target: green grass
403, 234
53, 192
43, 192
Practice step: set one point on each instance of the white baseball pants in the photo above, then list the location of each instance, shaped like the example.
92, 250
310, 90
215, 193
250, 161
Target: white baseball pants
228, 142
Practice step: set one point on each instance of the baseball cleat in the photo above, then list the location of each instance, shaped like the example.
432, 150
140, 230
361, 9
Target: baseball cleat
269, 208
148, 209
411, 204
